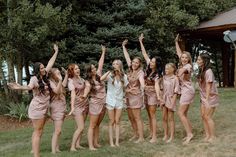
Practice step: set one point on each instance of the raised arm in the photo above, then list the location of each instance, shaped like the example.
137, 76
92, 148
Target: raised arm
104, 76
178, 49
126, 54
57, 89
101, 60
147, 59
16, 86
53, 58
64, 83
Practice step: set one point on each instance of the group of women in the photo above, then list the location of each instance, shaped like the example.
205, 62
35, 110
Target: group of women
148, 88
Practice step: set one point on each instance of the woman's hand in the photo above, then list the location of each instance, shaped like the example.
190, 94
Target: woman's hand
177, 39
124, 43
103, 48
55, 47
141, 37
14, 85
71, 110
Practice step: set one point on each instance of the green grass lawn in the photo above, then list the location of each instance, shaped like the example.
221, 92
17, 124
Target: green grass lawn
17, 143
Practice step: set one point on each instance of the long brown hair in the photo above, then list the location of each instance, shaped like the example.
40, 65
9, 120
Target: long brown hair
121, 73
206, 65
90, 78
53, 78
44, 78
71, 68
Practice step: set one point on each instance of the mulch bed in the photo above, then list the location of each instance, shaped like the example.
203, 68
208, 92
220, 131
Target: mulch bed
8, 123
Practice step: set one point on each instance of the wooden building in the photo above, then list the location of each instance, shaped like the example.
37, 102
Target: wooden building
212, 32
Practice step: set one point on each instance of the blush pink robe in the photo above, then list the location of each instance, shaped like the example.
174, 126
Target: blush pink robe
150, 95
39, 104
81, 106
134, 97
58, 103
170, 87
97, 98
187, 90
213, 99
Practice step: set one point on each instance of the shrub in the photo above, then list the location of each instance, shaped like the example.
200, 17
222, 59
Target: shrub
18, 110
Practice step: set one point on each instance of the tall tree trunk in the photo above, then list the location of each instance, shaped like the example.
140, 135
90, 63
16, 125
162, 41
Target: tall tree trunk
2, 76
19, 68
27, 72
10, 66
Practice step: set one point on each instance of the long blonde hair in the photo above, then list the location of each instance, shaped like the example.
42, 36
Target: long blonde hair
122, 73
189, 57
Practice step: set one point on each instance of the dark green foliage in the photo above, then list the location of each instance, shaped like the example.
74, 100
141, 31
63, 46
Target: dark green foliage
28, 28
19, 111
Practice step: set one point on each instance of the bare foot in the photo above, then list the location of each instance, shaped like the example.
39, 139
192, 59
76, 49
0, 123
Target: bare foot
80, 147
206, 139
164, 138
58, 150
153, 140
150, 136
211, 139
139, 140
97, 145
170, 140
184, 138
73, 150
112, 145
92, 149
188, 139
132, 138
117, 144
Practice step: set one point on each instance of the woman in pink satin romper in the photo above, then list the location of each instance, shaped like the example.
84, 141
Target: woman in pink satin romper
38, 107
187, 90
134, 93
209, 97
97, 101
152, 88
79, 89
57, 104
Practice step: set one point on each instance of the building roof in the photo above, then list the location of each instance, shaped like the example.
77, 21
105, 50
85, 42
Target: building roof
222, 19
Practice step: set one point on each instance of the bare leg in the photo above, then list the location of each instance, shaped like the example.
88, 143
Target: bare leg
111, 115
150, 121
183, 109
117, 125
56, 135
172, 125
92, 125
152, 112
77, 145
36, 137
165, 122
133, 124
139, 122
210, 123
96, 133
205, 122
80, 127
